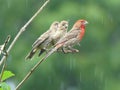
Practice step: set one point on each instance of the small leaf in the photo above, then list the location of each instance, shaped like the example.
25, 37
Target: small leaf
5, 86
7, 74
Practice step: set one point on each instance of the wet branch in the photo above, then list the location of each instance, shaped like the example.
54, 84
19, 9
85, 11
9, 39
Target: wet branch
33, 69
4, 52
30, 73
23, 29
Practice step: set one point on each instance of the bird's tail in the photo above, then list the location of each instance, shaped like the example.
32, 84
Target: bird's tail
41, 52
31, 54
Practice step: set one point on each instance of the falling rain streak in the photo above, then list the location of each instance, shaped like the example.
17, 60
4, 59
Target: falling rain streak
8, 3
72, 62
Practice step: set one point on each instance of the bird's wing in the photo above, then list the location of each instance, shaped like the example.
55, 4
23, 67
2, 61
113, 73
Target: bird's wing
70, 35
41, 39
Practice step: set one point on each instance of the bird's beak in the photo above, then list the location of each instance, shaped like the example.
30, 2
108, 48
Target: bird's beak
86, 22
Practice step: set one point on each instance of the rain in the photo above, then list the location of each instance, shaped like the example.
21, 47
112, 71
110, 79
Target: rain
95, 67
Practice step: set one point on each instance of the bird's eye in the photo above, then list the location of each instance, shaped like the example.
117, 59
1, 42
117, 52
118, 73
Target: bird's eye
63, 24
56, 25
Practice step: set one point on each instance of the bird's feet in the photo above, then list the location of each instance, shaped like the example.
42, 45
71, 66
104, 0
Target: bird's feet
72, 51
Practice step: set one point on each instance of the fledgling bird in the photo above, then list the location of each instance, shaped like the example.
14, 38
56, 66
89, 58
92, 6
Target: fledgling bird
73, 37
60, 32
57, 35
51, 39
43, 41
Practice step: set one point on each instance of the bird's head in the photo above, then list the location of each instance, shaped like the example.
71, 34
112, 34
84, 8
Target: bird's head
54, 25
80, 24
63, 25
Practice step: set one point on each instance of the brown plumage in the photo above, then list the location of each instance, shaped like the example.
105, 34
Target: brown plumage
49, 38
43, 42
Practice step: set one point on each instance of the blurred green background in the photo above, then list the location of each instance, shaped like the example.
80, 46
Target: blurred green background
95, 67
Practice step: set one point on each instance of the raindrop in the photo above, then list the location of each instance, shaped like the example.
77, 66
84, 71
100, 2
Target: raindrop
72, 88
80, 77
50, 79
95, 71
26, 3
110, 18
99, 73
102, 20
62, 86
106, 82
101, 76
71, 63
8, 3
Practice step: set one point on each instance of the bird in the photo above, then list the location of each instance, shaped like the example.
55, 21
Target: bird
73, 37
43, 41
50, 40
60, 32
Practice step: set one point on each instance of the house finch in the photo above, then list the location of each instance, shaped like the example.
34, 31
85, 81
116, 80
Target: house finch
50, 39
60, 32
43, 41
73, 37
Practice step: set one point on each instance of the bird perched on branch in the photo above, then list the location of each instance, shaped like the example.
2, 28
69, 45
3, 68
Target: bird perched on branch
73, 37
43, 41
60, 32
49, 38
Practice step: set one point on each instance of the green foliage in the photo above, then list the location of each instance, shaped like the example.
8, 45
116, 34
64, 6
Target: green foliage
7, 75
95, 67
4, 86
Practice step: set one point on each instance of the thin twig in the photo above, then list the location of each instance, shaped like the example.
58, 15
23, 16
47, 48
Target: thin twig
34, 68
5, 55
30, 73
23, 29
3, 69
52, 50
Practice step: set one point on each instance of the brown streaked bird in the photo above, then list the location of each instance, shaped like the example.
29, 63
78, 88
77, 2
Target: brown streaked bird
52, 38
44, 41
60, 32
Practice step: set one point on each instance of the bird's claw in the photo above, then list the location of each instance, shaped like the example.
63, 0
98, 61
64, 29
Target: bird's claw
71, 51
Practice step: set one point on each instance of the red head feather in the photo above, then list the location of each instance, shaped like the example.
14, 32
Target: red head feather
80, 25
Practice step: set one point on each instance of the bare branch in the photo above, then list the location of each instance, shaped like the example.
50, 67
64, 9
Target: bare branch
23, 29
33, 69
4, 52
3, 69
30, 73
